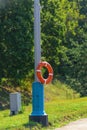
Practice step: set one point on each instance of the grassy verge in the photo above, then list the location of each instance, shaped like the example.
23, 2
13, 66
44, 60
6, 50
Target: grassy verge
58, 90
59, 112
66, 111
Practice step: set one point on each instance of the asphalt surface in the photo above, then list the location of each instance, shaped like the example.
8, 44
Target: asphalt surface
76, 125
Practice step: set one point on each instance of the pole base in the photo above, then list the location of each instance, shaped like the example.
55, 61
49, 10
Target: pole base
43, 119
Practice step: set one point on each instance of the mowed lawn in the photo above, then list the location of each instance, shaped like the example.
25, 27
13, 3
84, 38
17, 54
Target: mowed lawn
59, 113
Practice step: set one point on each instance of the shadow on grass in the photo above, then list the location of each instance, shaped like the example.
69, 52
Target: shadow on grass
33, 126
27, 126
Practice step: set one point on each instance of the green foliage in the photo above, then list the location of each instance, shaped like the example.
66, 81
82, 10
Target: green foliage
57, 21
74, 69
16, 39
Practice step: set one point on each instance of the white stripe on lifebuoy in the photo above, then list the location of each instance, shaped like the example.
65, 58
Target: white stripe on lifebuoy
50, 74
45, 81
38, 70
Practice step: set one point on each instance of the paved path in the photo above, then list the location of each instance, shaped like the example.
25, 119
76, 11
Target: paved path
76, 125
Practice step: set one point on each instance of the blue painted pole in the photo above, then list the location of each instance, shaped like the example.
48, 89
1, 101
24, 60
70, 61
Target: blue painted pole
38, 114
38, 99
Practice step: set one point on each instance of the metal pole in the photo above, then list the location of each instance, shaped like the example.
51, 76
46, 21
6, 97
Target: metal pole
37, 37
38, 114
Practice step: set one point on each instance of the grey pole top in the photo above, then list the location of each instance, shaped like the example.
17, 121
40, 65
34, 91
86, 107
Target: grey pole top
37, 37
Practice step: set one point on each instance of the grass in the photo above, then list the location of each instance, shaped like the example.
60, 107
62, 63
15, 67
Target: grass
59, 112
58, 91
62, 105
66, 111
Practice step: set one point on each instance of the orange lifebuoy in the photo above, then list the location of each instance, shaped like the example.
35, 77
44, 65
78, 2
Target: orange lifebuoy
50, 72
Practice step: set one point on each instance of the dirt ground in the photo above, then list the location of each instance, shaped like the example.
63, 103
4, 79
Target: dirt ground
76, 125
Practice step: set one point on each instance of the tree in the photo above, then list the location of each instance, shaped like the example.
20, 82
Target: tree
16, 39
75, 69
58, 23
